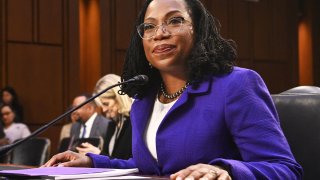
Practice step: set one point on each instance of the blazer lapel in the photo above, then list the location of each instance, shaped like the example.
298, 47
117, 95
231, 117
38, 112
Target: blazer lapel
77, 130
202, 89
110, 132
143, 108
94, 128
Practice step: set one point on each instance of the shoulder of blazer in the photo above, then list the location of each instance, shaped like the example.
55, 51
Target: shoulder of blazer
75, 125
101, 121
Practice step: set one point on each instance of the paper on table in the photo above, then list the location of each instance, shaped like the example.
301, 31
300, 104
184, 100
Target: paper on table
68, 172
128, 177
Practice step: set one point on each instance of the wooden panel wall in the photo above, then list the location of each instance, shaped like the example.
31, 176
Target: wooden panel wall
90, 48
2, 63
118, 17
35, 59
316, 45
266, 35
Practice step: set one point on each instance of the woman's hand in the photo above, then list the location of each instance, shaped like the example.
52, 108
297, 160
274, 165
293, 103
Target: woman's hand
202, 172
69, 159
88, 148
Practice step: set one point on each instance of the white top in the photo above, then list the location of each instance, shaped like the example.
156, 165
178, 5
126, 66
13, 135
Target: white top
16, 131
88, 125
158, 113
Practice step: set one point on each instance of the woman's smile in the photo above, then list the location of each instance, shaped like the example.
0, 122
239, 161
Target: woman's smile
163, 49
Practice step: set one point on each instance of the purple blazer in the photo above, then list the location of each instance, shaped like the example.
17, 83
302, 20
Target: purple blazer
228, 120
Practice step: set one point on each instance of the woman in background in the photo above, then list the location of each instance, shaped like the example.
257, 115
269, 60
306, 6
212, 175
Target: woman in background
116, 107
13, 130
9, 96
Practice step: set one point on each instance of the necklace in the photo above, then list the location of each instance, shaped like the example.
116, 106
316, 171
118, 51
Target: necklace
174, 95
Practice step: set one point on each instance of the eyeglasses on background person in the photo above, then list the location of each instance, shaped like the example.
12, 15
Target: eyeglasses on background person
172, 26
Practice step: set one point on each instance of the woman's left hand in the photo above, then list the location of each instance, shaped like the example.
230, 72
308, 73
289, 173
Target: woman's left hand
88, 148
202, 172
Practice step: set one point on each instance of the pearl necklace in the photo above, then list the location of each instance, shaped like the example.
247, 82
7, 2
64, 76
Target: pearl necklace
174, 95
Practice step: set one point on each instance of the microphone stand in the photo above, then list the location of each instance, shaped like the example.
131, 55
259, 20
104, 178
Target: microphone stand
142, 79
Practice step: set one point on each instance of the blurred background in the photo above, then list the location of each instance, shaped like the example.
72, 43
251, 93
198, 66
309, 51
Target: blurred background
52, 50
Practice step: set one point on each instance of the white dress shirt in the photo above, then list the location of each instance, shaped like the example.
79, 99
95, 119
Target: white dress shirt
88, 125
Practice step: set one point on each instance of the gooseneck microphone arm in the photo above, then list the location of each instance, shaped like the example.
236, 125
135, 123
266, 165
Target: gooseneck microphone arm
139, 80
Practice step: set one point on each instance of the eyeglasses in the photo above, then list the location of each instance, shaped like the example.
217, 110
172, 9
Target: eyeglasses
172, 26
6, 113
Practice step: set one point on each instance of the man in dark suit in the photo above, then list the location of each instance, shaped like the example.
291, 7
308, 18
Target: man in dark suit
90, 123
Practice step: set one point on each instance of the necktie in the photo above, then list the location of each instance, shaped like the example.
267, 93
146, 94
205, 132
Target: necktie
84, 131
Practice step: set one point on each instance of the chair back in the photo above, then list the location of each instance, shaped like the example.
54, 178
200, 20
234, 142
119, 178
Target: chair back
33, 152
299, 113
303, 90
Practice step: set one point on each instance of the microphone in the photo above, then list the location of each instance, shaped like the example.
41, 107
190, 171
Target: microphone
138, 80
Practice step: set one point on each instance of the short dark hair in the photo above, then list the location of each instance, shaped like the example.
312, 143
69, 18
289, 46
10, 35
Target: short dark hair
87, 96
211, 55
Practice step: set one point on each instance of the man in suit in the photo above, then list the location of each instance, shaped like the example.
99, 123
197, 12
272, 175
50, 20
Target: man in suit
90, 123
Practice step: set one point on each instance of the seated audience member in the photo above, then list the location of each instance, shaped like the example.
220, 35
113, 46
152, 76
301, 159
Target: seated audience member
66, 129
90, 124
199, 116
117, 108
9, 96
12, 129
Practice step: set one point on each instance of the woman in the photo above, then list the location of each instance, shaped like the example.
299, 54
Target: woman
9, 96
199, 117
12, 129
115, 107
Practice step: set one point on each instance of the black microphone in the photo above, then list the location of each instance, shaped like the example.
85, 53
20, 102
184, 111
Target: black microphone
139, 80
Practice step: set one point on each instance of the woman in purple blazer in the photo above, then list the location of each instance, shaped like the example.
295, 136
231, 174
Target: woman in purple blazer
198, 117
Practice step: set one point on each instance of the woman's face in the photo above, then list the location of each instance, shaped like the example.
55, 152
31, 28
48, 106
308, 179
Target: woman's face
168, 51
6, 97
7, 115
110, 107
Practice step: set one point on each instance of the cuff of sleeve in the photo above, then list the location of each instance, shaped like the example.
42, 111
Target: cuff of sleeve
99, 161
236, 169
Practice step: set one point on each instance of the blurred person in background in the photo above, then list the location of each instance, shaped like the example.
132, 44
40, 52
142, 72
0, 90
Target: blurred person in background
90, 124
9, 96
12, 129
116, 107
